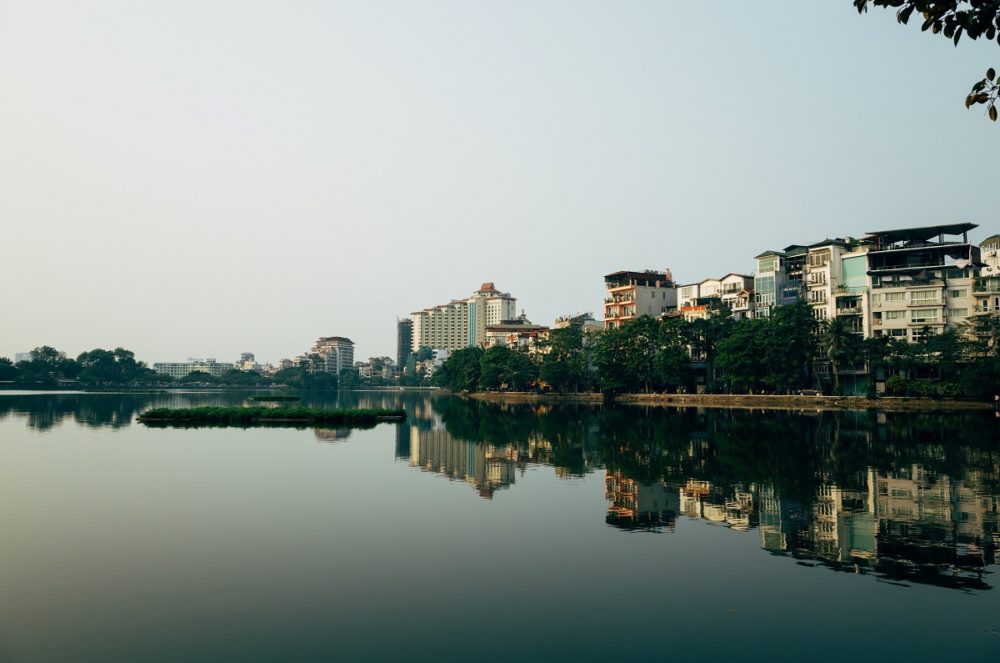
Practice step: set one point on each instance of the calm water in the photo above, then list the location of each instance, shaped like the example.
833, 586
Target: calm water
480, 532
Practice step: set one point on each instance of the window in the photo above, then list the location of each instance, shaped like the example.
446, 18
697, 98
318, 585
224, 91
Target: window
958, 313
876, 300
894, 315
924, 315
896, 332
767, 265
920, 296
894, 296
958, 294
918, 334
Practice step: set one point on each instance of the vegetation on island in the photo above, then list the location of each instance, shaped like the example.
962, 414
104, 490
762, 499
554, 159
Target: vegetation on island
784, 353
274, 399
250, 416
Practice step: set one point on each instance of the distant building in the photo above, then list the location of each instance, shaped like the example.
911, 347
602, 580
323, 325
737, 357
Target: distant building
516, 333
633, 294
182, 368
336, 353
462, 323
247, 362
23, 356
404, 340
584, 321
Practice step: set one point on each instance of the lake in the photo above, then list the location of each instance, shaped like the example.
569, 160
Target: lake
479, 531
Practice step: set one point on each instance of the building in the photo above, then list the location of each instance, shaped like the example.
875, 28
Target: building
404, 341
23, 356
181, 369
583, 321
772, 283
248, 362
462, 323
922, 279
734, 292
518, 333
986, 289
633, 294
336, 354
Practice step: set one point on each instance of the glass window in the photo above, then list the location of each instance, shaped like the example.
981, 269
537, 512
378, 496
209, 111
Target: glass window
955, 294
924, 315
894, 315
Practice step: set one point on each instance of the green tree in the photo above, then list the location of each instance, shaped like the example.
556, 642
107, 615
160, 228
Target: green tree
842, 348
198, 376
460, 371
564, 361
952, 19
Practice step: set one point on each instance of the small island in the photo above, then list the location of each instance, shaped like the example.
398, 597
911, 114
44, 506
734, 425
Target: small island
264, 416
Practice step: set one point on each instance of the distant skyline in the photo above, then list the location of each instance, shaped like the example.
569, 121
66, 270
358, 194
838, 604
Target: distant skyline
201, 179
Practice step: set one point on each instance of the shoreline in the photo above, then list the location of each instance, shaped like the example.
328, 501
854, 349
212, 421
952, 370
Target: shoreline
744, 401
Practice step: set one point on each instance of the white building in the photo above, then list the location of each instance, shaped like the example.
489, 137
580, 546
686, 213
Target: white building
182, 368
462, 323
336, 353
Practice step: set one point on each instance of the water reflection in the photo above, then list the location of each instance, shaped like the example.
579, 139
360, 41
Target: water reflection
905, 497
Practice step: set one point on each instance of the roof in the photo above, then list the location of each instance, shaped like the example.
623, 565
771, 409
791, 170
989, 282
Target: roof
767, 253
795, 249
991, 238
921, 234
341, 339
651, 274
742, 276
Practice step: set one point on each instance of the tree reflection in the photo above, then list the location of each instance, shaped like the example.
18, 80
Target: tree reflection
907, 497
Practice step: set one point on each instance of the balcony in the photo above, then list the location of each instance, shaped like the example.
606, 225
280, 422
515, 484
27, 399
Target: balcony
849, 310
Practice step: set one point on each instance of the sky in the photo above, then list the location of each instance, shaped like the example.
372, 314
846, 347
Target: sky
207, 178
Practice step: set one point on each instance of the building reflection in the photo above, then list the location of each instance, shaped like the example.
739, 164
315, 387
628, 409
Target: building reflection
898, 497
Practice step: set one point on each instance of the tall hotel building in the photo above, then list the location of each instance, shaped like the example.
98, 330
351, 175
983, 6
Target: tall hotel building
462, 323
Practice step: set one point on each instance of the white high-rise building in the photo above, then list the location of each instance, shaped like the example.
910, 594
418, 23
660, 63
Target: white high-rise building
336, 352
462, 323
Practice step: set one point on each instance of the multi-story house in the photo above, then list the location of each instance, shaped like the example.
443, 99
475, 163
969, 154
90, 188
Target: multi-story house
519, 333
733, 291
462, 323
778, 279
921, 281
822, 274
632, 294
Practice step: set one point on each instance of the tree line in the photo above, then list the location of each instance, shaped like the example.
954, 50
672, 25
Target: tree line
783, 353
49, 367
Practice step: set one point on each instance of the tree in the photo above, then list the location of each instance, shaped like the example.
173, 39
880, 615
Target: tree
954, 18
842, 348
460, 371
564, 362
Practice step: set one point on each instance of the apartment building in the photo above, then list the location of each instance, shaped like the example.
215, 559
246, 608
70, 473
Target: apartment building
986, 289
922, 279
336, 354
633, 294
462, 323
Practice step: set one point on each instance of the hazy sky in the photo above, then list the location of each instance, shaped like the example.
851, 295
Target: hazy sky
204, 178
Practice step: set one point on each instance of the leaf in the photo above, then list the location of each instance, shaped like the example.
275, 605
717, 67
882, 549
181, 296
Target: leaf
958, 34
968, 101
990, 74
993, 113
